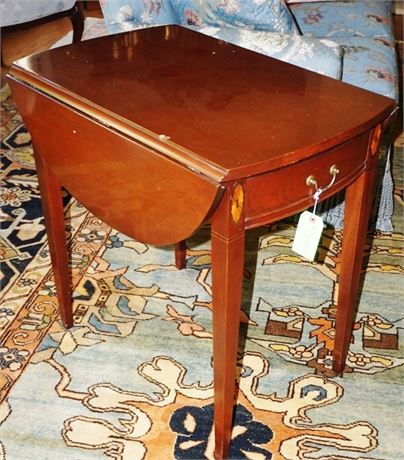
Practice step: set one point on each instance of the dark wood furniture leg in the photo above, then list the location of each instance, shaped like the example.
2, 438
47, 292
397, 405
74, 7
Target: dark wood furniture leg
180, 254
52, 204
227, 277
358, 202
77, 19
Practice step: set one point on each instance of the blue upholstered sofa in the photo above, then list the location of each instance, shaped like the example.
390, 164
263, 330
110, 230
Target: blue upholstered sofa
351, 40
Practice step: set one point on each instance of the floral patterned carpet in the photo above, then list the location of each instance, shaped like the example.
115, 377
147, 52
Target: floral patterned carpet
133, 378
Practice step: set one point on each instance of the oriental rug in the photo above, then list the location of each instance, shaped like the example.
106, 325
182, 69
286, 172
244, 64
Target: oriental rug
133, 378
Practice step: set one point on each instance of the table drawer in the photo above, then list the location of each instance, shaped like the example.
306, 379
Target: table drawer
277, 194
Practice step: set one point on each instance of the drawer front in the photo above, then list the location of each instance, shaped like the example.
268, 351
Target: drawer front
281, 193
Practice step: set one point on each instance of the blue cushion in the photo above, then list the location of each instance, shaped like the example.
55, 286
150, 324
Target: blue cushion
269, 15
189, 12
362, 18
123, 15
370, 63
321, 56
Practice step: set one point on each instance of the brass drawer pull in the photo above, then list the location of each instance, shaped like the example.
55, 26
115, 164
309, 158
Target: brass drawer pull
312, 182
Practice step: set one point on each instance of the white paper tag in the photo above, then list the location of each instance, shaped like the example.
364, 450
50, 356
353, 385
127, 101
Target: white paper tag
308, 234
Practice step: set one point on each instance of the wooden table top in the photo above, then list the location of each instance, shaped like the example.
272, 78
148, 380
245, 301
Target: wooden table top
227, 112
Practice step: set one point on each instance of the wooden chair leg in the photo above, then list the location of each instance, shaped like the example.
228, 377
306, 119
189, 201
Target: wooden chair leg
180, 254
52, 205
77, 19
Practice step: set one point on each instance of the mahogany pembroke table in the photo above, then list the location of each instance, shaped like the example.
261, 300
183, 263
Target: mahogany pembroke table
159, 130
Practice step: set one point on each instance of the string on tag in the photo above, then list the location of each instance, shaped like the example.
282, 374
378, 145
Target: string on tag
316, 197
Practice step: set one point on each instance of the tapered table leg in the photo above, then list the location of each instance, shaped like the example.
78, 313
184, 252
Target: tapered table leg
52, 204
358, 202
227, 276
180, 254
